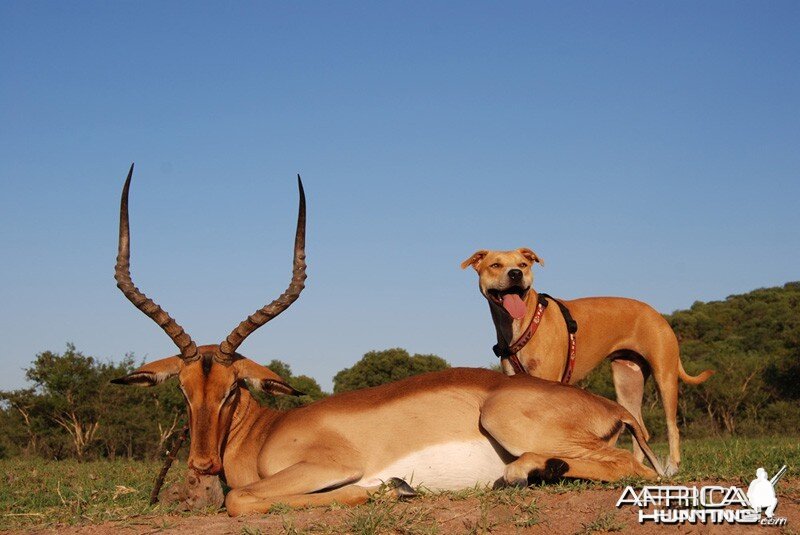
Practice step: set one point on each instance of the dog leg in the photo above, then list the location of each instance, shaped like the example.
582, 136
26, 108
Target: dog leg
668, 388
629, 378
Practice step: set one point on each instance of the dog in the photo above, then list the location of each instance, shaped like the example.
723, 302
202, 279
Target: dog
636, 338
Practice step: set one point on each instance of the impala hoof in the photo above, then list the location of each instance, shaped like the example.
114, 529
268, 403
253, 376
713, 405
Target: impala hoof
516, 483
401, 488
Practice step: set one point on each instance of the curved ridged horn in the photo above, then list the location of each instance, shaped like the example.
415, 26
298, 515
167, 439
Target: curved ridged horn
263, 315
122, 274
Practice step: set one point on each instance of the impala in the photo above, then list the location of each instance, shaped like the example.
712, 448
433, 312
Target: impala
446, 430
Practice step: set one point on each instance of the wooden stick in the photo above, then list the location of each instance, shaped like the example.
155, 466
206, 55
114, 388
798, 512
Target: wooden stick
171, 453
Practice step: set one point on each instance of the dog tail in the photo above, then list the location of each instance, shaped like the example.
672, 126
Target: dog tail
701, 377
638, 434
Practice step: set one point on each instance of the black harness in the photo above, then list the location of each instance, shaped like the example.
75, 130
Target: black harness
505, 351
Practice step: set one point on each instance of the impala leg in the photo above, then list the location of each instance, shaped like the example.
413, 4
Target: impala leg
608, 464
603, 464
297, 480
350, 495
347, 495
517, 472
302, 485
551, 444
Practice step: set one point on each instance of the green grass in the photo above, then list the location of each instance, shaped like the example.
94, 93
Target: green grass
40, 492
35, 492
735, 458
390, 516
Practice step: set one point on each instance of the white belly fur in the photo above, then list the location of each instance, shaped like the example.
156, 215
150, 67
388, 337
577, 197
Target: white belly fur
448, 466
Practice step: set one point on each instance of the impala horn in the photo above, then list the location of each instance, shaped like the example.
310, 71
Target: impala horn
263, 315
122, 274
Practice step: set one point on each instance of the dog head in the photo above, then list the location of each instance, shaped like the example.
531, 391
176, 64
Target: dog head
505, 277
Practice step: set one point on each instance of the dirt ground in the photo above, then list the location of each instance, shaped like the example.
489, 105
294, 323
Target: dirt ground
582, 511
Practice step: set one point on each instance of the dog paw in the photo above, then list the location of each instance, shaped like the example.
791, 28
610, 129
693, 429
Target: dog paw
670, 469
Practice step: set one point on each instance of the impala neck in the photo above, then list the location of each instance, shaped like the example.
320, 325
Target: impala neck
249, 416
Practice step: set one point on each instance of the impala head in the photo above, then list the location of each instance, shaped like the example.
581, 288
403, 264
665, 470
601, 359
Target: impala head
505, 277
209, 375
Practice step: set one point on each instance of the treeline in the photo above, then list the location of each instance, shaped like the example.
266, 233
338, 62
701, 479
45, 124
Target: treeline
72, 410
751, 340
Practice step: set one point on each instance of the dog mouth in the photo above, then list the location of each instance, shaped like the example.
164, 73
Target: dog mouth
511, 299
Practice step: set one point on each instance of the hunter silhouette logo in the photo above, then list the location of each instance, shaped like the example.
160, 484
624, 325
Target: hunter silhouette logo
709, 504
761, 492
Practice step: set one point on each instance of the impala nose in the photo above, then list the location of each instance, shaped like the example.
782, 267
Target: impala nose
201, 465
515, 275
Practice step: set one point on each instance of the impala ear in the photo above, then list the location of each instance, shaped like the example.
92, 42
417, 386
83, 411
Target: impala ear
475, 259
153, 373
530, 255
263, 378
275, 387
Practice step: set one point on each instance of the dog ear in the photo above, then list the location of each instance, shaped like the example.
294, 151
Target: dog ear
530, 255
475, 259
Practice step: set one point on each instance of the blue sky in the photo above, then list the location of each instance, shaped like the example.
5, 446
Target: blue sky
643, 149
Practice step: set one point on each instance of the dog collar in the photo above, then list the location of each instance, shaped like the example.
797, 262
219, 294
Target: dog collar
510, 351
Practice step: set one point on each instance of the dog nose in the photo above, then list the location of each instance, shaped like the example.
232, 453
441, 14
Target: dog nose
515, 275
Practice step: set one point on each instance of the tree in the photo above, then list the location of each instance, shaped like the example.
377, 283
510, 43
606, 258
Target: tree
24, 405
144, 419
379, 367
753, 342
73, 406
303, 383
737, 391
70, 384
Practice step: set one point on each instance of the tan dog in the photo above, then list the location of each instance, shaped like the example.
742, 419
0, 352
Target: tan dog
636, 338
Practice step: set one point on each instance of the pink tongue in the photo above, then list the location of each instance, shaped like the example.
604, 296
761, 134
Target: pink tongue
514, 305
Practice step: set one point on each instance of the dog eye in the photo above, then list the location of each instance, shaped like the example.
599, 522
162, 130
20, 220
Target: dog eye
523, 265
495, 265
